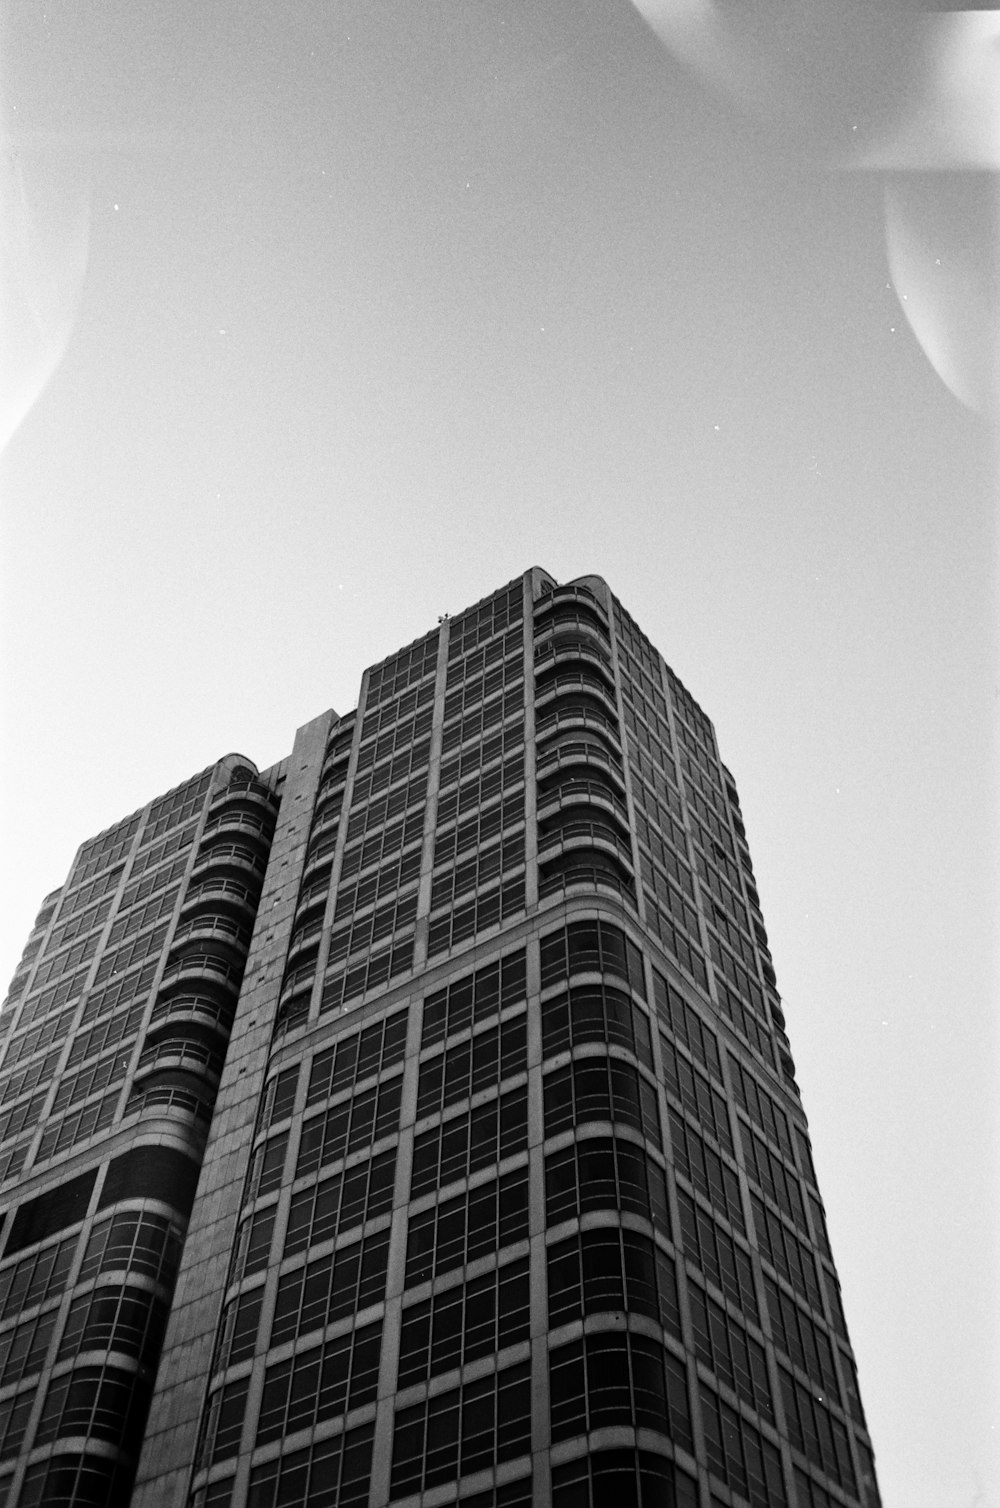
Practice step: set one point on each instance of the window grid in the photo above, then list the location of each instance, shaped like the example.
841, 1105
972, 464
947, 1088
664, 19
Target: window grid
612, 1270
478, 1063
465, 1322
330, 1288
713, 1250
605, 1173
471, 1225
473, 1140
349, 1125
602, 1089
331, 1471
615, 1378
354, 1196
454, 1434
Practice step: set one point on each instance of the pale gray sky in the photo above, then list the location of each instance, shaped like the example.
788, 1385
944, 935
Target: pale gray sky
366, 307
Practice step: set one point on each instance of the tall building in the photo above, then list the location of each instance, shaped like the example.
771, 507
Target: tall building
414, 1122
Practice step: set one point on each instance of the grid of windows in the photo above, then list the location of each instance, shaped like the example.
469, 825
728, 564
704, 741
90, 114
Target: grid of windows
600, 1089
474, 998
608, 1269
142, 916
153, 880
392, 876
723, 1260
89, 1080
320, 1384
106, 1034
331, 1288
610, 1478
456, 1433
478, 660
479, 685
478, 871
790, 1257
591, 947
76, 1481
368, 973
768, 1172
487, 910
705, 1170
87, 893
477, 1063
480, 623
699, 1097
98, 853
36, 1278
615, 1378
12, 1085
407, 762
333, 1471
143, 862
473, 1224
816, 1431
238, 1330
76, 1126
742, 1017
475, 724
26, 1043
100, 1002
49, 1000
120, 1318
397, 737
382, 809
349, 1125
803, 1341
470, 1141
486, 783
380, 845
723, 1344
142, 1242
465, 1322
402, 669
605, 1173
370, 928
23, 1347
351, 1197
381, 717
132, 952
595, 1013
102, 1402
686, 1025
75, 926
69, 959
354, 1058
739, 1454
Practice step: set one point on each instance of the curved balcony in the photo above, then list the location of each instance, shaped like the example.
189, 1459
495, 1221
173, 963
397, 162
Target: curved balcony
245, 796
569, 752
573, 618
564, 835
232, 858
335, 761
194, 1008
304, 945
572, 650
568, 790
251, 826
585, 869
202, 967
575, 679
173, 1092
577, 714
233, 896
573, 598
212, 928
181, 1051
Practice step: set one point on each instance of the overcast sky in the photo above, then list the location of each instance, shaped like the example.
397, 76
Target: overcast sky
329, 318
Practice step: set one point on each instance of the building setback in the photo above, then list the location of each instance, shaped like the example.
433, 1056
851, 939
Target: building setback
414, 1122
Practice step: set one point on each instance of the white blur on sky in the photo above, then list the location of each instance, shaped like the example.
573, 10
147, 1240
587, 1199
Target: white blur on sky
367, 307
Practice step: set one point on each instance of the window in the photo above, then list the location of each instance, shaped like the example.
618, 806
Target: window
591, 947
609, 1478
320, 1384
595, 1013
604, 1173
614, 1270
348, 1125
474, 1224
723, 1344
601, 1089
477, 1063
335, 1471
331, 1288
474, 998
238, 1331
354, 1058
456, 1433
613, 1378
470, 1141
698, 1096
36, 1278
723, 1261
105, 1403
351, 1197
23, 1347
739, 1454
479, 1318
702, 1166
124, 1319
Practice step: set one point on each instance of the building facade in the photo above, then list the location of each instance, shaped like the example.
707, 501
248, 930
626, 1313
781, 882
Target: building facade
414, 1122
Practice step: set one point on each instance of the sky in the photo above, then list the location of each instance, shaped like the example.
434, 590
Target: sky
324, 319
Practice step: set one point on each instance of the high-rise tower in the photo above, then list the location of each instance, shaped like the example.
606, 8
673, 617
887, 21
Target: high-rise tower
419, 1114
